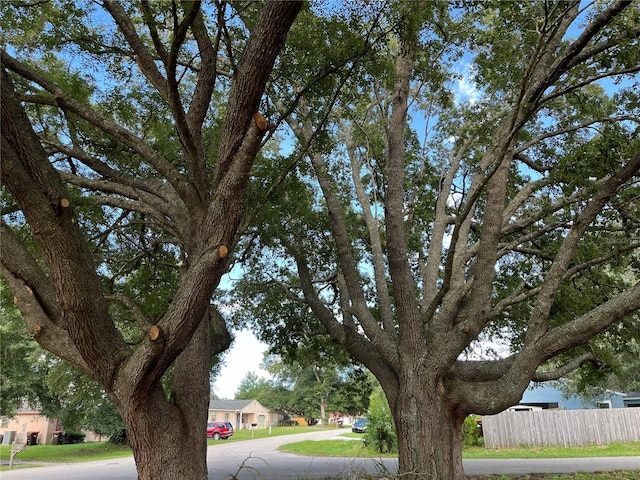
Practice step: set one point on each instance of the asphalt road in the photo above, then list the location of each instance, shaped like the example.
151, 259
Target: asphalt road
260, 460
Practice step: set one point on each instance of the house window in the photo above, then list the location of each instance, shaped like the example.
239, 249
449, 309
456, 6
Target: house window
604, 404
226, 417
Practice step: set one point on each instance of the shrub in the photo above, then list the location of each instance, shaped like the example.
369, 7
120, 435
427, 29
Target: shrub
73, 437
381, 437
380, 433
119, 438
470, 431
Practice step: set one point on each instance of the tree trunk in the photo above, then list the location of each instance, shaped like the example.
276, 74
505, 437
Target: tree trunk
429, 432
323, 410
164, 447
168, 435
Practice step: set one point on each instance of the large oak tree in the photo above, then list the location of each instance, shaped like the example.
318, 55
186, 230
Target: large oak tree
418, 227
128, 133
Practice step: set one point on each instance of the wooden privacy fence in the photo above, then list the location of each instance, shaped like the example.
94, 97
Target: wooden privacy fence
568, 428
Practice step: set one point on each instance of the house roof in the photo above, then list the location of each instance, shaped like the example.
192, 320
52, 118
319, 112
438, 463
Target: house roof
231, 405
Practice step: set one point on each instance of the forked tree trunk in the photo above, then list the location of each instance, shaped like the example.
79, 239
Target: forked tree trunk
164, 447
168, 432
429, 433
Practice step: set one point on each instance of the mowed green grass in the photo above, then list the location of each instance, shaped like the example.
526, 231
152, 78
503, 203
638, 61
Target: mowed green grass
80, 452
618, 449
331, 448
346, 448
631, 475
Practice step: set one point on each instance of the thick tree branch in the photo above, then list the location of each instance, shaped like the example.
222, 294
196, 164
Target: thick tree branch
564, 90
205, 86
587, 53
22, 266
574, 54
267, 37
567, 368
36, 186
579, 331
405, 288
382, 339
572, 128
190, 135
372, 349
47, 333
240, 140
379, 270
431, 271
488, 387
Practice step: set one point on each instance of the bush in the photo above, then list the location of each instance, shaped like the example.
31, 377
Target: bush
470, 431
380, 433
73, 437
381, 437
119, 438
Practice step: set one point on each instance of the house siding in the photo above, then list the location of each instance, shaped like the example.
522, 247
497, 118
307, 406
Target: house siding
25, 423
243, 414
546, 395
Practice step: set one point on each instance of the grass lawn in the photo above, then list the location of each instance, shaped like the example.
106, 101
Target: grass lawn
633, 475
618, 449
332, 448
80, 452
345, 448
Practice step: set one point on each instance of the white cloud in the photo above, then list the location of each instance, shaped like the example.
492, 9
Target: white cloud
454, 200
245, 355
465, 89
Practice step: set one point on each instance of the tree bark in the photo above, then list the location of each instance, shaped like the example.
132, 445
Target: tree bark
168, 436
162, 443
429, 430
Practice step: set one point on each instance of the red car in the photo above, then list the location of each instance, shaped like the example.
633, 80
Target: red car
218, 430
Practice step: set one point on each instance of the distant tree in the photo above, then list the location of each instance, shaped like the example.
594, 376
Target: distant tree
23, 366
251, 386
308, 390
353, 394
